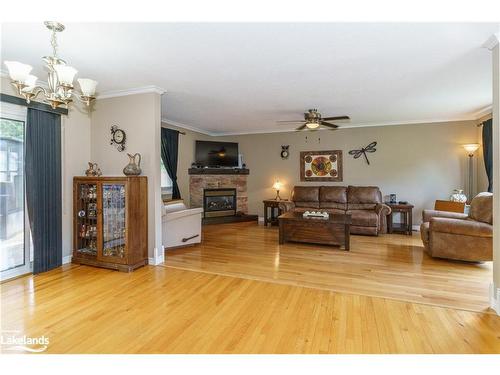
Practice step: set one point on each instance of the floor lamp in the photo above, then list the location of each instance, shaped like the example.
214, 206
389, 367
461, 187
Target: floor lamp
470, 148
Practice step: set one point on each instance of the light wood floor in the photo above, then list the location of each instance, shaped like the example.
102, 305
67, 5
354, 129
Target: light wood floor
295, 308
165, 310
389, 266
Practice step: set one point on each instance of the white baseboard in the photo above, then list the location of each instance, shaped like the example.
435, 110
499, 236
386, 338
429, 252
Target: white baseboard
160, 258
495, 298
66, 259
416, 228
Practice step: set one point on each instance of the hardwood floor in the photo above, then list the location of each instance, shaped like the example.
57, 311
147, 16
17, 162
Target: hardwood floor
389, 266
244, 293
165, 310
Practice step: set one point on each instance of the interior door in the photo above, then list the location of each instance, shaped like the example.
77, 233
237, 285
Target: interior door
113, 215
15, 240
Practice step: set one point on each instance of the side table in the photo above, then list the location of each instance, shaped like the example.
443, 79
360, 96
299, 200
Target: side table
406, 211
273, 206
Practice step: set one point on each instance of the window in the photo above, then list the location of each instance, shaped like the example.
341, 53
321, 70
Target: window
166, 183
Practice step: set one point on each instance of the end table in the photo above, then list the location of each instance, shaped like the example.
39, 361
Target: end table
273, 205
406, 210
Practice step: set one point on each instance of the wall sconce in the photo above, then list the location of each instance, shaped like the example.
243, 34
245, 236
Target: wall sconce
470, 148
277, 186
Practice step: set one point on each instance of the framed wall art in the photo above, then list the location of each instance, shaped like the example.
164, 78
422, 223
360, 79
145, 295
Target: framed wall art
321, 165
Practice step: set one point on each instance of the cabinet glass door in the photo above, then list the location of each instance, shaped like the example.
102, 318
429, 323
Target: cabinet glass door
113, 221
86, 211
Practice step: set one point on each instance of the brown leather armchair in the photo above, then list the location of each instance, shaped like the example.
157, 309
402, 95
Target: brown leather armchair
364, 203
459, 236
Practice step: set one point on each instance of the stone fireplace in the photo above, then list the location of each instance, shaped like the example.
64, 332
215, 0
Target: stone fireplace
210, 180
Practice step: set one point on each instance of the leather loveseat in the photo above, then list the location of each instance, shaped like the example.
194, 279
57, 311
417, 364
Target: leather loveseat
364, 203
459, 236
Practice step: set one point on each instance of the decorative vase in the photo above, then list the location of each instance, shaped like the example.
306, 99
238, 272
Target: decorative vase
458, 196
133, 168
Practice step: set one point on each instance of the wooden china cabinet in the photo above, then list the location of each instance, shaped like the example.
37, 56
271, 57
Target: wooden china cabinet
110, 222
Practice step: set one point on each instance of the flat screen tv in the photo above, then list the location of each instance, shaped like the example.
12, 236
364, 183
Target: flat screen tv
216, 154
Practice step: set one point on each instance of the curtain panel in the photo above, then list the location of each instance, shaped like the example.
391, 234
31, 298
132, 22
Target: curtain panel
43, 188
169, 156
488, 152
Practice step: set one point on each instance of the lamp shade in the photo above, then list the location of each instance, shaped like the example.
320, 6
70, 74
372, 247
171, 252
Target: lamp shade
30, 83
87, 86
18, 71
277, 185
65, 74
471, 147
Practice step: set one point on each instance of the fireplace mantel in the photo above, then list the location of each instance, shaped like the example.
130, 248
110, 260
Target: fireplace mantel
195, 171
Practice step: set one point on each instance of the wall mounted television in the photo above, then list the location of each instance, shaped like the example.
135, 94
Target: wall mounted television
216, 154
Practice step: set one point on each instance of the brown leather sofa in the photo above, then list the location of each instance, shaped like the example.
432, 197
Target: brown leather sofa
459, 236
364, 203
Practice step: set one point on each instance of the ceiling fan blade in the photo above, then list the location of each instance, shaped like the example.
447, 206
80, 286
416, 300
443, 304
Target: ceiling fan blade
333, 126
301, 128
336, 118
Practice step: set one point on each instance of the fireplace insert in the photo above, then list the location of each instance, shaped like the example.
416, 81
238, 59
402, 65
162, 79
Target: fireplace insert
219, 202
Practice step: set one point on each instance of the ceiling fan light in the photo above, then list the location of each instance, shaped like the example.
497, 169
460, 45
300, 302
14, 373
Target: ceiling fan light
18, 71
87, 86
312, 125
65, 74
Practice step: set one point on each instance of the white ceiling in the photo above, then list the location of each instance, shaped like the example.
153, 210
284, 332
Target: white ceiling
242, 77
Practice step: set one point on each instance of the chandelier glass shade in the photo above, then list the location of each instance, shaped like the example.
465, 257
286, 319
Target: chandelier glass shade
59, 89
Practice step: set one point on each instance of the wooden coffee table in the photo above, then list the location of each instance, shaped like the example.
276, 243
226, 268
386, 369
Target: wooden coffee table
333, 230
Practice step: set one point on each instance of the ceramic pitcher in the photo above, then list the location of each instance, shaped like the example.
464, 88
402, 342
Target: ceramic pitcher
133, 168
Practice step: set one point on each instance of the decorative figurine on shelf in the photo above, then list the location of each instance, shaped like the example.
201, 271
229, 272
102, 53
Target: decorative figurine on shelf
118, 138
93, 171
133, 168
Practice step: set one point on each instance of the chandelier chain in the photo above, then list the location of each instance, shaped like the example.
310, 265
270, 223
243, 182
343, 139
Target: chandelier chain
53, 42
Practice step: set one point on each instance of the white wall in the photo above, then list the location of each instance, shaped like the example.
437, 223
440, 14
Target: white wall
139, 116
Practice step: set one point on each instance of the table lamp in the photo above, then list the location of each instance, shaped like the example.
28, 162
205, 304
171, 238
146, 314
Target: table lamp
277, 185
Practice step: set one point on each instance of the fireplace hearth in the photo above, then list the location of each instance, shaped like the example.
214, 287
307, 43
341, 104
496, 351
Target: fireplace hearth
219, 202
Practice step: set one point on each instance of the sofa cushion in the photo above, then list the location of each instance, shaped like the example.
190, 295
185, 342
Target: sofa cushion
481, 208
333, 197
364, 218
363, 197
306, 196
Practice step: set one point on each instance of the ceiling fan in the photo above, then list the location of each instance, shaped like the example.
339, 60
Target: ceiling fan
313, 120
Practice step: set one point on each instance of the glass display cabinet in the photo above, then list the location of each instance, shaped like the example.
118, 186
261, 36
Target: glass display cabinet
110, 222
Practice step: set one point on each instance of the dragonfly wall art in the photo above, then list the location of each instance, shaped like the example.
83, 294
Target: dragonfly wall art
363, 151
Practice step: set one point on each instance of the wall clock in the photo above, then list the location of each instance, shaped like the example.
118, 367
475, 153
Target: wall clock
118, 138
284, 152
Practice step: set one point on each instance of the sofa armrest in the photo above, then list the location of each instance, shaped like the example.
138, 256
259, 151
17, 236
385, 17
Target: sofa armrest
382, 209
460, 226
183, 213
428, 214
286, 206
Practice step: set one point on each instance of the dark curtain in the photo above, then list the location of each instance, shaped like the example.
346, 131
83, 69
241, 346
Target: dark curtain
43, 187
488, 152
169, 153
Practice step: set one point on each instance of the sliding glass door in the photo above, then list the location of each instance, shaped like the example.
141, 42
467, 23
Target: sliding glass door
15, 257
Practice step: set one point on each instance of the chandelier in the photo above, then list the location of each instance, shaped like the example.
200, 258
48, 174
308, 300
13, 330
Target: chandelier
60, 90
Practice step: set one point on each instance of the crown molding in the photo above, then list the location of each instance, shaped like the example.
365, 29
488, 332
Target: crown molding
132, 91
492, 41
483, 112
177, 124
474, 117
